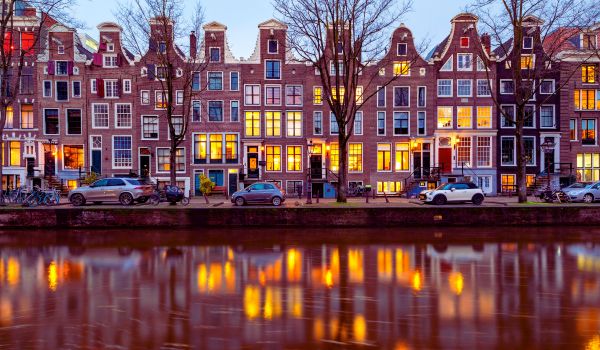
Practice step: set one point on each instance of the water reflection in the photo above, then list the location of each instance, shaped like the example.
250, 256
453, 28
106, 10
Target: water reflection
392, 295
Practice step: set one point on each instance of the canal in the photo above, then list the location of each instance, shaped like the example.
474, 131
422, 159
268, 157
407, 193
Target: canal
399, 289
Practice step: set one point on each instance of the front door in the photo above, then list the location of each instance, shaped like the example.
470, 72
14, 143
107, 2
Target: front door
49, 161
316, 166
549, 157
445, 160
144, 165
216, 176
197, 176
252, 162
233, 183
97, 161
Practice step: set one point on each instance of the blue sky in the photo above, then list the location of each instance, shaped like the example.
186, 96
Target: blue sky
430, 19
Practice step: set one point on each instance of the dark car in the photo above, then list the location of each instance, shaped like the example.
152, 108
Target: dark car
260, 192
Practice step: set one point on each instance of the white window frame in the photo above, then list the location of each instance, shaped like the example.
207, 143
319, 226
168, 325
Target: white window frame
179, 97
489, 87
394, 91
112, 145
501, 87
94, 126
280, 70
117, 115
281, 94
534, 161
67, 121
425, 88
313, 123
44, 121
210, 49
238, 80
553, 117
168, 149
231, 111
450, 62
380, 89
384, 123
470, 87
362, 123
44, 88
394, 128
73, 89
56, 90
458, 68
451, 87
514, 151
112, 59
125, 85
94, 86
112, 81
553, 87
301, 96
142, 92
514, 108
259, 93
276, 46
142, 127
425, 125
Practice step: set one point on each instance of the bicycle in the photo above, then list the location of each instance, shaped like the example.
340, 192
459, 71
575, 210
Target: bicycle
356, 191
555, 196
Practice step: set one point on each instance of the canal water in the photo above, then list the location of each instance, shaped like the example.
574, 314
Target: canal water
497, 288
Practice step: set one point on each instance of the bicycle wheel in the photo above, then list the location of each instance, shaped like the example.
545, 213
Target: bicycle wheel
185, 201
154, 199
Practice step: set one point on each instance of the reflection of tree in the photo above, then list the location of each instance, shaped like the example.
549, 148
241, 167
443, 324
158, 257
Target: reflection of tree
345, 312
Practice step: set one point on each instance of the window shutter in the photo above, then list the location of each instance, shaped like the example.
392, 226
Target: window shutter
70, 67
151, 72
100, 87
97, 59
51, 67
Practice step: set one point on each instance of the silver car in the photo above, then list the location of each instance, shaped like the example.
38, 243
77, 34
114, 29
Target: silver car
114, 189
260, 192
583, 192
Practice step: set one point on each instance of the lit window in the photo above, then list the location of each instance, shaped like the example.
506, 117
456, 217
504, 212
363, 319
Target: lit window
273, 158
273, 123
355, 157
200, 148
444, 117
464, 117
215, 142
402, 68
384, 154
588, 166
294, 124
334, 157
294, 158
73, 157
317, 95
588, 73
402, 161
573, 129
15, 153
527, 61
484, 117
252, 124
334, 94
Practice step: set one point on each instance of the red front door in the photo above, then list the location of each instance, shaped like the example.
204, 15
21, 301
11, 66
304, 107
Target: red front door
445, 160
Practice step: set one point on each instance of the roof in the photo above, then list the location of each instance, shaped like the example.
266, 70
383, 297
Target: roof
438, 49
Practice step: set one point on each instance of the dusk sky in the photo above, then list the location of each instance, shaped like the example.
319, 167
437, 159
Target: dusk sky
429, 19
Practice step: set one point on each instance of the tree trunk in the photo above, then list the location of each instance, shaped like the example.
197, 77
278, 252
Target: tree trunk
206, 199
521, 161
343, 169
173, 164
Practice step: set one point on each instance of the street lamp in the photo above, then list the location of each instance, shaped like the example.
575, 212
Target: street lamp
547, 148
309, 149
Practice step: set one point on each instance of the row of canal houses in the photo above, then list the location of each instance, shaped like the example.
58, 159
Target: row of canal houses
90, 105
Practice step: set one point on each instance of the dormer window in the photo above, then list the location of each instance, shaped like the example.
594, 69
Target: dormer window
588, 42
528, 42
215, 54
162, 47
401, 49
464, 42
272, 46
340, 47
110, 47
110, 61
161, 72
61, 49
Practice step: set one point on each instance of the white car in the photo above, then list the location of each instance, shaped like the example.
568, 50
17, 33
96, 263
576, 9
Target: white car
453, 192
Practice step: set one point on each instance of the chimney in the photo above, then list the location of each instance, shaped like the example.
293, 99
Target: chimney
193, 44
486, 41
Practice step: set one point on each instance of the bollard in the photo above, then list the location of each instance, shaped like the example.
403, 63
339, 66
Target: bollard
385, 196
318, 195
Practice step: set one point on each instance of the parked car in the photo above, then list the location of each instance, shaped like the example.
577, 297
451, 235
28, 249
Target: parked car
115, 189
453, 192
583, 192
260, 192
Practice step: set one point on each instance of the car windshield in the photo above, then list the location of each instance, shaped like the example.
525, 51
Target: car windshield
580, 185
134, 182
444, 186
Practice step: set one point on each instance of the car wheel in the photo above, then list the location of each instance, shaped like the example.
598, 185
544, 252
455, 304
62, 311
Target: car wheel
239, 201
588, 198
77, 199
477, 199
126, 198
276, 201
440, 199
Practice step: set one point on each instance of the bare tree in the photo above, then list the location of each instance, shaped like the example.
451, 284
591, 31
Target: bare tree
345, 41
29, 22
156, 30
509, 22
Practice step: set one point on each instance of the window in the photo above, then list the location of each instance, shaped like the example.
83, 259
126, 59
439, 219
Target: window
483, 88
200, 149
10, 120
164, 164
380, 96
252, 124
400, 123
122, 152
481, 65
294, 124
464, 117
14, 152
421, 125
272, 69
402, 68
464, 61
359, 95
588, 73
507, 87
355, 160
384, 157
47, 88
111, 88
484, 117
529, 148
572, 129
333, 125
215, 54
547, 116
484, 151
507, 150
150, 127
215, 142
62, 67
26, 84
338, 69
73, 157
160, 100
528, 42
100, 115
401, 49
444, 88
179, 97
463, 88
401, 96
161, 72
588, 41
317, 95
272, 46
527, 61
318, 123
234, 111
145, 97
588, 166
463, 151
358, 123
402, 162
73, 122
26, 116
273, 123
252, 95
335, 91
294, 158
421, 96
448, 66
110, 61
273, 158
234, 81
27, 42
162, 47
584, 99
464, 42
177, 122
231, 148
273, 95
215, 81
507, 117
62, 90
529, 116
293, 95
51, 124
444, 116
588, 131
334, 157
196, 81
110, 47
215, 111
76, 90
508, 183
380, 123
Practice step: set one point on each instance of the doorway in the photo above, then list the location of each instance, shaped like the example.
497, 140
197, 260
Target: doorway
549, 157
422, 161
97, 161
144, 163
49, 160
445, 160
216, 176
252, 161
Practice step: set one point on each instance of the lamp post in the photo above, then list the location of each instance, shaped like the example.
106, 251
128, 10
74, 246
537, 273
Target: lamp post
309, 149
547, 148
